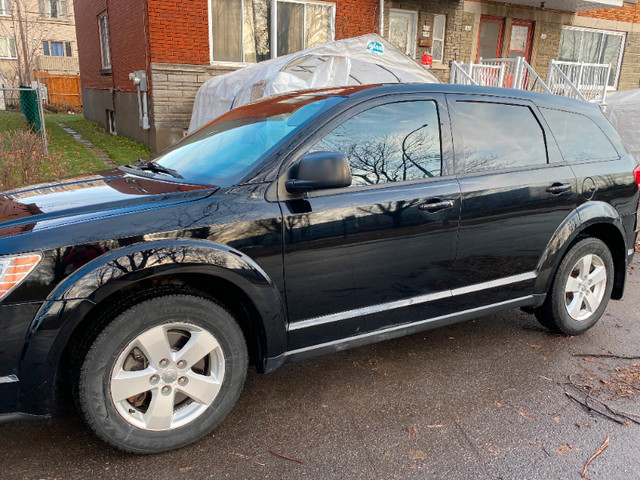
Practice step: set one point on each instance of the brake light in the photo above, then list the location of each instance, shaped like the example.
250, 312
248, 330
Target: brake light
636, 174
14, 270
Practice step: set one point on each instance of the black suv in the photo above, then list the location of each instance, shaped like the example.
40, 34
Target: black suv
300, 225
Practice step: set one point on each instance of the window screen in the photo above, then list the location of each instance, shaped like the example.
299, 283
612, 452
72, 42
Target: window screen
499, 136
390, 143
578, 137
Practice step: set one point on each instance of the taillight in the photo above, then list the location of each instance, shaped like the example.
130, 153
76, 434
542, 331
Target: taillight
636, 174
14, 270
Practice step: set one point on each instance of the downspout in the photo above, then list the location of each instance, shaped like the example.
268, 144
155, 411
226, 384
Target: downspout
382, 18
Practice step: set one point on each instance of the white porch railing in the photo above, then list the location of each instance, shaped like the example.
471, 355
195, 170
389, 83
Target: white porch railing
518, 74
498, 72
586, 81
582, 81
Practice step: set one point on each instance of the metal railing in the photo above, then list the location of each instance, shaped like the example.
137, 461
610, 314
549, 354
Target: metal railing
518, 74
498, 72
586, 81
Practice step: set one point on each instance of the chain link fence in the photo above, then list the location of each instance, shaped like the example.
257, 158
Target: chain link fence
28, 101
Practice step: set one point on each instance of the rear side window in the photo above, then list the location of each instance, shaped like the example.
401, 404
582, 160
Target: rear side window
499, 136
390, 143
578, 137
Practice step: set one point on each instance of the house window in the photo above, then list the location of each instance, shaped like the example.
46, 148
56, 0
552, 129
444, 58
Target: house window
241, 30
105, 50
593, 46
54, 8
56, 49
437, 49
8, 48
5, 8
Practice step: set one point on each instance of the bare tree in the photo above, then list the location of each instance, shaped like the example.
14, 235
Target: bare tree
29, 29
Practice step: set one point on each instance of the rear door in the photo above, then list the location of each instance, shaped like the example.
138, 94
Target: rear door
381, 251
516, 191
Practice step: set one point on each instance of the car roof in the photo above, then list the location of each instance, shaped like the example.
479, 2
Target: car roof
541, 99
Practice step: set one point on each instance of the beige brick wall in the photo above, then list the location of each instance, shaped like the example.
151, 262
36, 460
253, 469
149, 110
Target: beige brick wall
40, 29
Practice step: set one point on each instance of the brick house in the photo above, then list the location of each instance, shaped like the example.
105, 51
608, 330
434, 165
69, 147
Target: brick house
37, 35
179, 44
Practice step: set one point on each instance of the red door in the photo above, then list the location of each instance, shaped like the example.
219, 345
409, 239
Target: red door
490, 37
521, 39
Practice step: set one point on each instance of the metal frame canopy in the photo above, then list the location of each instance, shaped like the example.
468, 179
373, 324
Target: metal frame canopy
354, 61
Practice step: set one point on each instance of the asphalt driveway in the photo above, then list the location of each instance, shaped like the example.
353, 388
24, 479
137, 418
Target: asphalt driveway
483, 399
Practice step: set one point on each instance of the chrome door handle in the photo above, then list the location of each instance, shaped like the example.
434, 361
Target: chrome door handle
436, 205
557, 188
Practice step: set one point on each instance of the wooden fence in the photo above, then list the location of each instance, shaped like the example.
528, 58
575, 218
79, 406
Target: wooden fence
62, 90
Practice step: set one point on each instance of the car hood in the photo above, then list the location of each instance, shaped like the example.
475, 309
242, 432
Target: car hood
79, 198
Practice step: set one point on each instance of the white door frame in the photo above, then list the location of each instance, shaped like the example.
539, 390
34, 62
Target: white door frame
412, 34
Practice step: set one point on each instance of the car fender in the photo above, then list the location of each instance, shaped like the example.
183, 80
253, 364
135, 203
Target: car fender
72, 300
580, 219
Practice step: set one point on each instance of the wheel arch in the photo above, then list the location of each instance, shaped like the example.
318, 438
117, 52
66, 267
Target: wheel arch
592, 219
81, 306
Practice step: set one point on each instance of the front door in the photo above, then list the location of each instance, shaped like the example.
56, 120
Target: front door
490, 37
403, 25
516, 191
379, 252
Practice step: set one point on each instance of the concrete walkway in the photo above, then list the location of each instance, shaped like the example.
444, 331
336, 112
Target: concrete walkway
100, 153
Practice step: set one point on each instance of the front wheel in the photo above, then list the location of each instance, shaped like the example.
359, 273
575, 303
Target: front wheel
581, 288
162, 374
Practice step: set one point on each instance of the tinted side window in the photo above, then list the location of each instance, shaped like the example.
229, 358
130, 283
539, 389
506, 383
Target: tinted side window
499, 136
389, 143
578, 137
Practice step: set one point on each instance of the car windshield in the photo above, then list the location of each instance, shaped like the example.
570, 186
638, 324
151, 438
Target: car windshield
224, 151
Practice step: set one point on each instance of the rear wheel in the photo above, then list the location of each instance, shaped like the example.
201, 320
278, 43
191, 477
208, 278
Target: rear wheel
162, 374
581, 289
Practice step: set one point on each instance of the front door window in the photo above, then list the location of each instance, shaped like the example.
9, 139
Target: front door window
520, 41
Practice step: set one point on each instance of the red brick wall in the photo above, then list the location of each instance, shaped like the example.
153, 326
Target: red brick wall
626, 13
357, 17
127, 27
179, 31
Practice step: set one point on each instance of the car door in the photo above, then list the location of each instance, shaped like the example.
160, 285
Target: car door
379, 252
516, 191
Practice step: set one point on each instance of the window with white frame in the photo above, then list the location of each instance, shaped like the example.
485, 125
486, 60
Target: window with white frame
437, 48
5, 8
243, 30
8, 48
105, 49
54, 8
593, 46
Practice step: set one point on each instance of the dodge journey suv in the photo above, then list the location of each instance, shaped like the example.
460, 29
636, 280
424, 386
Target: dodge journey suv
300, 225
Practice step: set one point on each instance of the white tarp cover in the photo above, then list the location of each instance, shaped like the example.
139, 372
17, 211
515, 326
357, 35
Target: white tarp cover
623, 111
355, 61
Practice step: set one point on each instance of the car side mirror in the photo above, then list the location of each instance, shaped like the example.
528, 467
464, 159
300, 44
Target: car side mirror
320, 170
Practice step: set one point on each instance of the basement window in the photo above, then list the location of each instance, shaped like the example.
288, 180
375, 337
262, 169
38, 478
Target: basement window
111, 121
242, 30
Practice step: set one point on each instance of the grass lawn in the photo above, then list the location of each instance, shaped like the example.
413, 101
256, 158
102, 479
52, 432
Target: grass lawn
121, 150
75, 157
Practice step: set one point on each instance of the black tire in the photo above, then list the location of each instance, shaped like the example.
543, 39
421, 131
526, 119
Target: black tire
554, 312
178, 319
